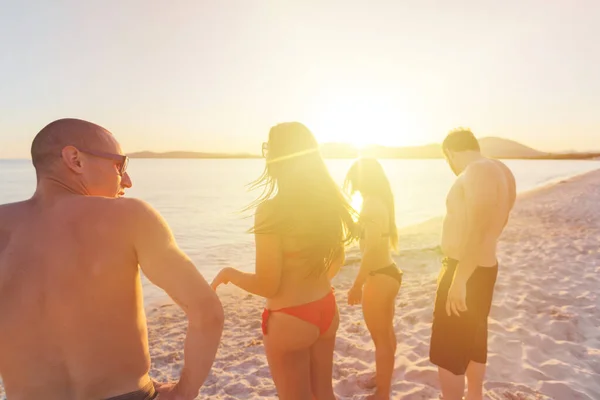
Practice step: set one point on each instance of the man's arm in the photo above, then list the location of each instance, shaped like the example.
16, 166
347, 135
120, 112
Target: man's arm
165, 265
265, 280
480, 197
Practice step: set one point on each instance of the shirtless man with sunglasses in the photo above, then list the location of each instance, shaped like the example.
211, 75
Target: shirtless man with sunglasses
72, 322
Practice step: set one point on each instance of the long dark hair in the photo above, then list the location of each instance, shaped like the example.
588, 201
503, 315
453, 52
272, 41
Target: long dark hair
368, 177
306, 201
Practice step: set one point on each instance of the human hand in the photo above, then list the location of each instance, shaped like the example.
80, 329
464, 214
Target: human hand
457, 298
222, 278
355, 295
167, 391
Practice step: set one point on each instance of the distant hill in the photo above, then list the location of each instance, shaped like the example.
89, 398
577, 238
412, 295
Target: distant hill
490, 146
503, 148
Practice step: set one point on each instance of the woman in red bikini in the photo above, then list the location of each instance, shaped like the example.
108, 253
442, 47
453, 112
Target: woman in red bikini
302, 223
378, 281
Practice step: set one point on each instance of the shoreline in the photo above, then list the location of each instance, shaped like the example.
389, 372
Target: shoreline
417, 236
544, 326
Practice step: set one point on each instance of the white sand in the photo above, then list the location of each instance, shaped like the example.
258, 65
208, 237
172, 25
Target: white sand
544, 338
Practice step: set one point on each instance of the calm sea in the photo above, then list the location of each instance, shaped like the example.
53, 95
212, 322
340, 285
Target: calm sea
202, 199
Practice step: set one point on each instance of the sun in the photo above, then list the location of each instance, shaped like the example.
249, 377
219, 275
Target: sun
362, 120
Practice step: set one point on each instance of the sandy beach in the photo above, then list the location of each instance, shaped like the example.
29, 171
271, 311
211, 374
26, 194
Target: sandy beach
544, 325
544, 340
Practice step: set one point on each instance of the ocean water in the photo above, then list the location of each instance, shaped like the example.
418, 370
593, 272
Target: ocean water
202, 199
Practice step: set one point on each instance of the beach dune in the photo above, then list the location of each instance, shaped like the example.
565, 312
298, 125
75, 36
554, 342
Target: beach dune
544, 340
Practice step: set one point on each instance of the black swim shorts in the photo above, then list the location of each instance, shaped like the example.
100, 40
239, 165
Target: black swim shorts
457, 340
145, 393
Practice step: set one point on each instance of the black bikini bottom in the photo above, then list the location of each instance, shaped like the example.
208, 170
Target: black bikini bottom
391, 270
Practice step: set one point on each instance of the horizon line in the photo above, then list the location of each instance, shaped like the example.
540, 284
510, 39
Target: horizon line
347, 145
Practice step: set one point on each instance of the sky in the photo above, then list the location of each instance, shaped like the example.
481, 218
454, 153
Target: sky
216, 75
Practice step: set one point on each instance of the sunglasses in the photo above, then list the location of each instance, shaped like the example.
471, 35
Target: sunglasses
121, 161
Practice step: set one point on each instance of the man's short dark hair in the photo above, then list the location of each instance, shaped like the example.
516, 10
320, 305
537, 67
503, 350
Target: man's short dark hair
461, 139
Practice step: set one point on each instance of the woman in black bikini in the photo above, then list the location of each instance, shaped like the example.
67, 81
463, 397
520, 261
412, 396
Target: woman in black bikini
378, 281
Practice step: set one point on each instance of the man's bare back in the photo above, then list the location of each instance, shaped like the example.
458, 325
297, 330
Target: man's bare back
66, 271
478, 207
72, 321
500, 198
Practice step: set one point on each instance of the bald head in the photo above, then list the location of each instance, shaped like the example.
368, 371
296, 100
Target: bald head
53, 138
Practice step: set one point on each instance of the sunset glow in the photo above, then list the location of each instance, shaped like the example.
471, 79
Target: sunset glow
211, 77
362, 119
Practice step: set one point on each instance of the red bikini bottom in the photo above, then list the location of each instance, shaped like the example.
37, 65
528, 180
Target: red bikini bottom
319, 313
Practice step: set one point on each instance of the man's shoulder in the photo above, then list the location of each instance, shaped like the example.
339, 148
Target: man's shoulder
507, 171
486, 170
491, 170
11, 207
132, 208
483, 165
13, 211
135, 218
124, 210
131, 203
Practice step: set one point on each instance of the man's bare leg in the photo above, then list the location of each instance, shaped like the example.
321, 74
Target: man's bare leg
475, 375
453, 386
